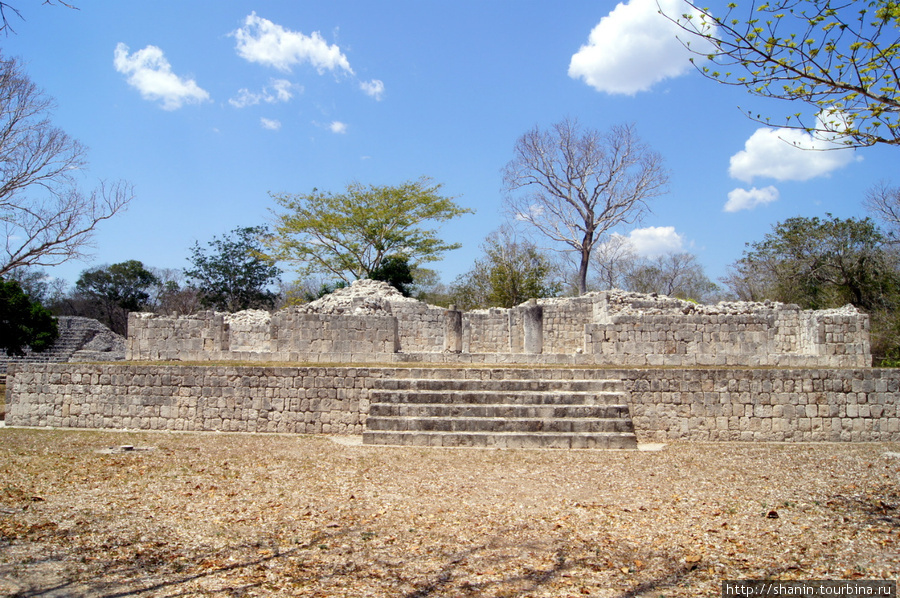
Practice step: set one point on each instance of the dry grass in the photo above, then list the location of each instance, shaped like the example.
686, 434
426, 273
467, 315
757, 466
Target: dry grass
250, 515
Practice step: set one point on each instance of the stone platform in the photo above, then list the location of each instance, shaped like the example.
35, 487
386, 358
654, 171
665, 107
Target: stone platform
664, 404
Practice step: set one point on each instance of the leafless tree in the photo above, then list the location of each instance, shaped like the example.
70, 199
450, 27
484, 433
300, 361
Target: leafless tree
675, 275
574, 185
612, 260
883, 202
45, 219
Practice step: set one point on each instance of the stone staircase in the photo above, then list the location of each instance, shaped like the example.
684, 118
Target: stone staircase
75, 333
500, 414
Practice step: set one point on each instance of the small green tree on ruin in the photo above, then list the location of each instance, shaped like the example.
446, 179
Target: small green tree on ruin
512, 271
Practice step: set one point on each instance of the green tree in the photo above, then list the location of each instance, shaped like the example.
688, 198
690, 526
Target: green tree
841, 58
395, 271
823, 263
511, 272
234, 274
573, 184
23, 322
117, 290
348, 235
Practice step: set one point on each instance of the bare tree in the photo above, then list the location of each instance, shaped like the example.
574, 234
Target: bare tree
574, 185
45, 218
675, 275
613, 259
883, 202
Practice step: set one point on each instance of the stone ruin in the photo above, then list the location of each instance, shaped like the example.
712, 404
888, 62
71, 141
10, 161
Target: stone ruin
604, 370
371, 322
80, 339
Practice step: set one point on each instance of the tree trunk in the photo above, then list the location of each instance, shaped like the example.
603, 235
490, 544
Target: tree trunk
583, 271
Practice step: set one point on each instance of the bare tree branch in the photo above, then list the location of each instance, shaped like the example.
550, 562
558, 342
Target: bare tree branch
6, 8
45, 219
883, 202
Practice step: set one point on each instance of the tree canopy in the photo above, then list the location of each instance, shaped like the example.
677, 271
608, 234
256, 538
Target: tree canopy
574, 184
234, 274
820, 263
842, 58
348, 235
395, 271
23, 323
116, 290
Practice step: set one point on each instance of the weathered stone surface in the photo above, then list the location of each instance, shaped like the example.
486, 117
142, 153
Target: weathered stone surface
369, 321
670, 404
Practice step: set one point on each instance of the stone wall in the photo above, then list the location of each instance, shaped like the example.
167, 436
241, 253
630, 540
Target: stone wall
284, 336
370, 322
666, 405
836, 405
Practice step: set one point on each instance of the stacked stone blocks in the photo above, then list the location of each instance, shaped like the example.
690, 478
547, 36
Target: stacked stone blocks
666, 404
610, 328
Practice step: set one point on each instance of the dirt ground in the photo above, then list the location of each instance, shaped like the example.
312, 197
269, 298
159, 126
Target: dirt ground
250, 515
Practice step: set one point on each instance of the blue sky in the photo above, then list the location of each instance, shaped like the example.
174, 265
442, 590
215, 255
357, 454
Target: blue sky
206, 107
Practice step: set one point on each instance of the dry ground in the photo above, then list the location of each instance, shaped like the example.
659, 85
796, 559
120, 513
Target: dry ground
251, 515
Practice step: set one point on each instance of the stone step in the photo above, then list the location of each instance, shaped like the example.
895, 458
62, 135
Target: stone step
610, 440
484, 397
498, 424
504, 410
509, 385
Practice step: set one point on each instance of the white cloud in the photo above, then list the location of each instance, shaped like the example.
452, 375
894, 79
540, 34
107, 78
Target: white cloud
654, 241
633, 47
279, 90
151, 74
270, 124
788, 155
283, 90
338, 127
744, 199
245, 98
374, 88
262, 41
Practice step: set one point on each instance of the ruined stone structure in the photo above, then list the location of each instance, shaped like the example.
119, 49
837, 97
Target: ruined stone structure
604, 370
80, 339
664, 404
371, 322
